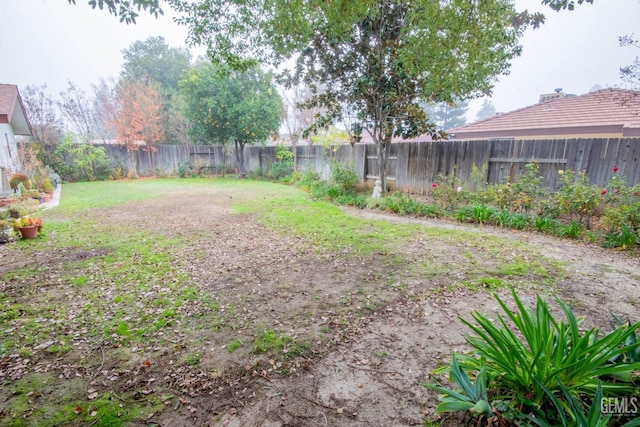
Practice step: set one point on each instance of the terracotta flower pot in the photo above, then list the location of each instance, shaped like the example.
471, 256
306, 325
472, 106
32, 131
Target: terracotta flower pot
30, 232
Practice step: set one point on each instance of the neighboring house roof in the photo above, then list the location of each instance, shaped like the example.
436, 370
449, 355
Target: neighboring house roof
12, 110
603, 113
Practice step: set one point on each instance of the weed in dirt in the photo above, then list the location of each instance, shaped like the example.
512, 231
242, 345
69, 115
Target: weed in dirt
269, 341
235, 344
193, 359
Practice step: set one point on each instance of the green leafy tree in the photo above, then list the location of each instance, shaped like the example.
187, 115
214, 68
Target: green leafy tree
374, 58
241, 107
127, 10
153, 61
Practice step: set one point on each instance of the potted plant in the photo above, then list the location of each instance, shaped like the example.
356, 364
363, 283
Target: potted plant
28, 228
17, 179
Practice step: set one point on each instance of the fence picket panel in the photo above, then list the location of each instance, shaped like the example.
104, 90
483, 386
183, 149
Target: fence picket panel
414, 165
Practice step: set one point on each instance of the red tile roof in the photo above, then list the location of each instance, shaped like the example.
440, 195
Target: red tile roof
12, 110
8, 97
607, 112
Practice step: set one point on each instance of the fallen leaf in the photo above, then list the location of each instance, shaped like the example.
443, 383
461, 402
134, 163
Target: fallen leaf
78, 410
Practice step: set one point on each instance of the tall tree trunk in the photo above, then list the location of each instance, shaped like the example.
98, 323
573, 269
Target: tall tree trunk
382, 138
381, 151
240, 159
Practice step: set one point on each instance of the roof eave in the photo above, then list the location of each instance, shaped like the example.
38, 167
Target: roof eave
22, 126
541, 132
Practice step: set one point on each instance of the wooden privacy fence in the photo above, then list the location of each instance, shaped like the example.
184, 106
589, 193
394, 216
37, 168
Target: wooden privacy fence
414, 166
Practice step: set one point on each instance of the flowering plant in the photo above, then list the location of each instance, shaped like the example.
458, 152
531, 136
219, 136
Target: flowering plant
27, 222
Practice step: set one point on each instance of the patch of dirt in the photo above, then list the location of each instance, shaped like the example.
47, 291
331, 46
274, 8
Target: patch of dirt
370, 372
374, 330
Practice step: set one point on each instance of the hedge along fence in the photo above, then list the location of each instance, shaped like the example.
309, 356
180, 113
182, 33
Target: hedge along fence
414, 166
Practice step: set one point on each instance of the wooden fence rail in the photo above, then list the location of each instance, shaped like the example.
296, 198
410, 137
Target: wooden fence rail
414, 166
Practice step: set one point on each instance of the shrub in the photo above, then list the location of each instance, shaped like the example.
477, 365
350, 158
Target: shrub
322, 189
481, 213
280, 169
623, 206
356, 200
500, 217
549, 369
527, 191
404, 205
81, 162
626, 238
463, 214
518, 221
575, 198
17, 179
306, 179
447, 192
572, 230
545, 224
53, 176
283, 168
344, 177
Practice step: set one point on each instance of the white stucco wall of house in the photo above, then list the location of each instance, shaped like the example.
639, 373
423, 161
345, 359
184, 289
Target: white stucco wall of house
8, 155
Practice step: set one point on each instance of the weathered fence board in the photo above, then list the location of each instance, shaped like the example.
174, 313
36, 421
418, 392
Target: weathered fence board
416, 165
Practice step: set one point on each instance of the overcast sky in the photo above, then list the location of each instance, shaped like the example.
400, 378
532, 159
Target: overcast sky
50, 41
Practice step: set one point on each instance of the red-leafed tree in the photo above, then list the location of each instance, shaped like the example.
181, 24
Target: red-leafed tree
134, 115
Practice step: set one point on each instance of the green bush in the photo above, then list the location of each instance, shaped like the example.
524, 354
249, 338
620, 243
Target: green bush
280, 169
626, 238
547, 369
184, 170
81, 162
17, 179
521, 205
404, 205
575, 198
284, 165
518, 221
344, 177
527, 191
306, 179
447, 192
357, 200
572, 230
545, 224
